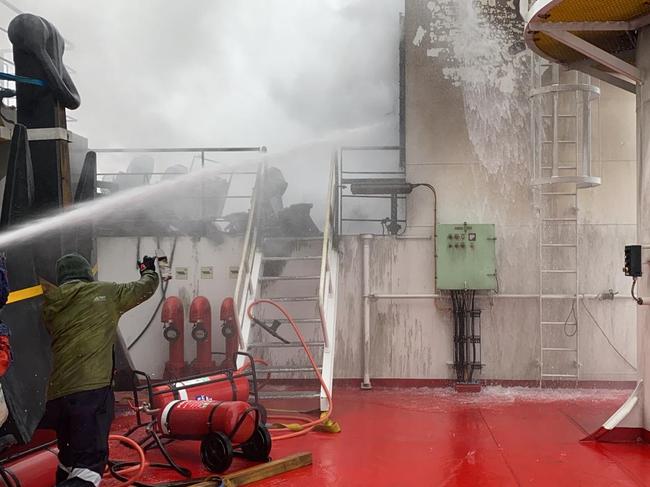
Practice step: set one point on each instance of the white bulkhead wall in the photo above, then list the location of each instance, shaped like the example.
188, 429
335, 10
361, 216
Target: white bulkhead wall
413, 338
116, 262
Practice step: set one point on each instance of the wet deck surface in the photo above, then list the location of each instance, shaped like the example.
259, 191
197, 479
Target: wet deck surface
436, 437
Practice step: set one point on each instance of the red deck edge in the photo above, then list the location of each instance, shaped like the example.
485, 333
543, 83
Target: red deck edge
403, 382
394, 382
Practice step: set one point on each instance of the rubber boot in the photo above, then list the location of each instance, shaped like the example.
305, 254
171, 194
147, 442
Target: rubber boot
75, 482
61, 475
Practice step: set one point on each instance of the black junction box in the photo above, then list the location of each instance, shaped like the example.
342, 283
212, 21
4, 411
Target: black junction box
633, 261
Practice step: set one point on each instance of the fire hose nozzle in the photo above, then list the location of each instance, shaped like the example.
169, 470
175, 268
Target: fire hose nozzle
163, 265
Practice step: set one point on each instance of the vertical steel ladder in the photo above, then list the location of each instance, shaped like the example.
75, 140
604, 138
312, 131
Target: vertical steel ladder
561, 165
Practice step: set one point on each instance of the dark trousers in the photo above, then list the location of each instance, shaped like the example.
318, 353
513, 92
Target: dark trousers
82, 422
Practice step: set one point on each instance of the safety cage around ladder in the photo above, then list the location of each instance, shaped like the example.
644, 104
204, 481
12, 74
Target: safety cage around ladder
561, 125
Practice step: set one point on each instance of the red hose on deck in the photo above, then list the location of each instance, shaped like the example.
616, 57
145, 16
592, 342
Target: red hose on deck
309, 425
138, 469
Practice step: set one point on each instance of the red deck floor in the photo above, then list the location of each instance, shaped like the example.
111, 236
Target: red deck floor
436, 437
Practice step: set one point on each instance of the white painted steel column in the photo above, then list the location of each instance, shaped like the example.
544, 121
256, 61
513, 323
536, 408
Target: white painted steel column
366, 238
643, 214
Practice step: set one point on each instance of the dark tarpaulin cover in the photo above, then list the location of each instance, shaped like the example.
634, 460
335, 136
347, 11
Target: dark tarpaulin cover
25, 383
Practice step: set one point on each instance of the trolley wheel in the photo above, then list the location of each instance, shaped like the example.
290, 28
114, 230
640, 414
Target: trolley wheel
259, 446
216, 452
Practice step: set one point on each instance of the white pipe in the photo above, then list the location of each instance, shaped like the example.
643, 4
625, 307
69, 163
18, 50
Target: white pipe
492, 296
414, 237
366, 311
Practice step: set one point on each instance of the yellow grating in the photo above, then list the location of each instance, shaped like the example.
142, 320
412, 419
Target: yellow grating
590, 11
598, 10
614, 42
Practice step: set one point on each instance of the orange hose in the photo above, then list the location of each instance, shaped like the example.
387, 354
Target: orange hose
309, 425
138, 469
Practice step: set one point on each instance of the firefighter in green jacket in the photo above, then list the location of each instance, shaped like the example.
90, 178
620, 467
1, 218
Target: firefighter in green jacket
81, 316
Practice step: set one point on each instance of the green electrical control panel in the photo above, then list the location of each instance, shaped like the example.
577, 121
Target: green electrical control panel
466, 257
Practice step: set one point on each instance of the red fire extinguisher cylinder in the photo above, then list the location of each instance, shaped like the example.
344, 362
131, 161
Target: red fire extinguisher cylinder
194, 420
219, 387
33, 470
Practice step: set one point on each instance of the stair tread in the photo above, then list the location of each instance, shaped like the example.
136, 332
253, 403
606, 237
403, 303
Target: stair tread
288, 299
292, 239
289, 278
284, 345
287, 370
298, 320
293, 257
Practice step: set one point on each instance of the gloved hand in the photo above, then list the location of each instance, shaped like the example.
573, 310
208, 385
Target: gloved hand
147, 264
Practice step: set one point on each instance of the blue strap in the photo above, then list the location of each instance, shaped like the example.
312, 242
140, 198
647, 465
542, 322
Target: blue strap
22, 79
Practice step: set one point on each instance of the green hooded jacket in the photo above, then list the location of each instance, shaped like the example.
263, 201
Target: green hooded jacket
81, 317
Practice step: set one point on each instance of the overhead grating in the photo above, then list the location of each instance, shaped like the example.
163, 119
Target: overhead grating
620, 42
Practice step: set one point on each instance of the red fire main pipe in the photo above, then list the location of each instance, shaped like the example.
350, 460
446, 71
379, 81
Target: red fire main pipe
229, 331
174, 331
201, 318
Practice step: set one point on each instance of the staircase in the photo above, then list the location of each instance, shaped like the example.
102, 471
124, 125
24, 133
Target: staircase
298, 273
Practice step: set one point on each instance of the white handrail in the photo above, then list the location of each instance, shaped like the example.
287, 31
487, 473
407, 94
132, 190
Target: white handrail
242, 288
327, 244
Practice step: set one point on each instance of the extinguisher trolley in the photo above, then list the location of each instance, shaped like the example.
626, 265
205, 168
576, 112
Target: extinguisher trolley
217, 449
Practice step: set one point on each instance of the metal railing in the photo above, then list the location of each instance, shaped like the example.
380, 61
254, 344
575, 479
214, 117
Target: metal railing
198, 153
329, 237
244, 287
346, 177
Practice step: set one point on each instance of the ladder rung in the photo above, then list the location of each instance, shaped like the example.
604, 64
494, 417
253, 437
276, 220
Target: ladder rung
559, 193
289, 278
568, 323
558, 349
559, 245
559, 271
560, 219
573, 376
